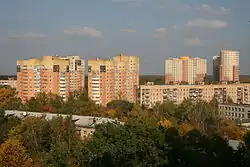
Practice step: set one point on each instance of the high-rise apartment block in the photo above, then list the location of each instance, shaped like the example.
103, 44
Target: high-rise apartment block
51, 74
116, 78
185, 69
226, 66
150, 95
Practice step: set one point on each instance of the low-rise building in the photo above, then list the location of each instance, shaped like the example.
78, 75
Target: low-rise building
234, 112
85, 124
149, 95
9, 82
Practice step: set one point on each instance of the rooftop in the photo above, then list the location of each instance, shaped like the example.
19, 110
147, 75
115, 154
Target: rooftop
80, 121
235, 104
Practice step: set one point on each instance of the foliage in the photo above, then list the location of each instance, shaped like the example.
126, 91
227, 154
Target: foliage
165, 124
77, 103
8, 99
231, 130
12, 154
134, 144
122, 107
184, 128
170, 135
6, 124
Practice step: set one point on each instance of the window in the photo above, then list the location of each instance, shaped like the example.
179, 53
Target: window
18, 69
89, 68
56, 68
102, 68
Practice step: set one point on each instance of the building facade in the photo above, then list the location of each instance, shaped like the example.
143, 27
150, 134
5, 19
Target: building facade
226, 66
149, 95
51, 74
185, 69
11, 82
116, 78
234, 112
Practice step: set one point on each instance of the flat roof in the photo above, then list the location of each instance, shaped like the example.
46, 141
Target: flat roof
235, 104
81, 121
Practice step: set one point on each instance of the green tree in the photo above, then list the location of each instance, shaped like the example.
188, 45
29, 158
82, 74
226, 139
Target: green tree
134, 144
6, 124
78, 103
122, 107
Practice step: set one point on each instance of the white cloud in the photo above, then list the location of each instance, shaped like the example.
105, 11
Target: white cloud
128, 30
194, 42
83, 31
202, 23
194, 8
213, 10
27, 35
160, 30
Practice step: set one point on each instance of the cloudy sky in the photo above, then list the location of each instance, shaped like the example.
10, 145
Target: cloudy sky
152, 29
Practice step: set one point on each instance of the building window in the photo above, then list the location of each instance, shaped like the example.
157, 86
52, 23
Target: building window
56, 68
102, 68
89, 68
18, 69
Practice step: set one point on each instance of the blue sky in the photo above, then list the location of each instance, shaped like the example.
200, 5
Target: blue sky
151, 29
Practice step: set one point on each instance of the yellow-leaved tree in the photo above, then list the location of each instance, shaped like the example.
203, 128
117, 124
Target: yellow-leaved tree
184, 128
12, 154
165, 123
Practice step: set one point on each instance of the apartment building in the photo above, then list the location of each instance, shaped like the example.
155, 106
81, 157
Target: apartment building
56, 74
149, 95
116, 78
185, 69
11, 82
226, 66
234, 112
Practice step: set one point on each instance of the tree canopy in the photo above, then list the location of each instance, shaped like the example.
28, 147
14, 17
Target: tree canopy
167, 135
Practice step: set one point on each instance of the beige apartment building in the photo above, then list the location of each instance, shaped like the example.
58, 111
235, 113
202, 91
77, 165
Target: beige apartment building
55, 74
185, 69
234, 111
11, 82
116, 78
226, 66
149, 95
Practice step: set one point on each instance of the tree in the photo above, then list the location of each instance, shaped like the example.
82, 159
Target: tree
6, 124
45, 102
229, 100
231, 130
78, 103
165, 124
184, 128
8, 99
122, 107
167, 109
12, 154
134, 144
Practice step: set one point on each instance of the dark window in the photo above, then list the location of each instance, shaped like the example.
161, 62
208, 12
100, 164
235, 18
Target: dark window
89, 68
78, 62
18, 69
56, 68
102, 68
248, 115
67, 69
